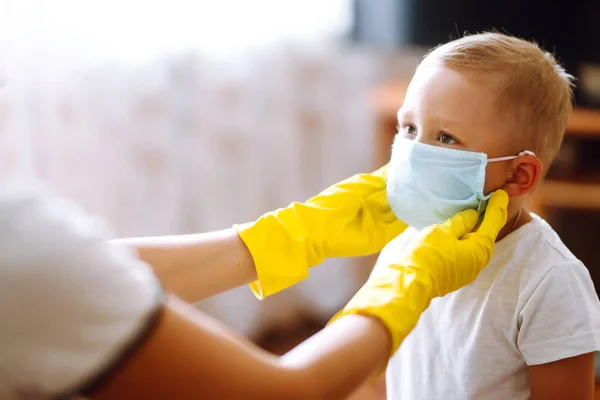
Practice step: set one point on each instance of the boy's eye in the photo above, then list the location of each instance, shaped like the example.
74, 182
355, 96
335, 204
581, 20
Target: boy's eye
447, 139
407, 130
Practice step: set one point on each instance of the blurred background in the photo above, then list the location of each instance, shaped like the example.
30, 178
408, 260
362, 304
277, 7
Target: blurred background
188, 116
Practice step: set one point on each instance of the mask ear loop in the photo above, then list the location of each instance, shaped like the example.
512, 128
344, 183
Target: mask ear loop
512, 228
523, 153
526, 153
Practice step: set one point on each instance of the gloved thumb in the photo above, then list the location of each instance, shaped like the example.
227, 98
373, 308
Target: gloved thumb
495, 215
461, 224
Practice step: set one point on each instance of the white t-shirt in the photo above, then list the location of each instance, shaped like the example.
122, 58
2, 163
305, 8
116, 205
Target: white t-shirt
533, 304
71, 305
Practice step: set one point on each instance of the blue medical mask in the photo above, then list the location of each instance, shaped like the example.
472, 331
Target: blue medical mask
428, 184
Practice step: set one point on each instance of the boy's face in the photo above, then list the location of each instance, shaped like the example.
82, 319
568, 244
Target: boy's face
448, 109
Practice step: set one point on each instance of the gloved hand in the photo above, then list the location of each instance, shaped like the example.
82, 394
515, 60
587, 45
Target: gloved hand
440, 259
351, 218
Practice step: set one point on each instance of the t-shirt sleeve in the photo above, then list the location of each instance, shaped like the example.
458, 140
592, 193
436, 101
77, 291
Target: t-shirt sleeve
72, 305
561, 319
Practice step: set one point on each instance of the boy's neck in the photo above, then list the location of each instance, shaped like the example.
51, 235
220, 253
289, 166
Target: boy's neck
514, 221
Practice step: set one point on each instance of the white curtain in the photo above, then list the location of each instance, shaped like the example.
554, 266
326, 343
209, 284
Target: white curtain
181, 116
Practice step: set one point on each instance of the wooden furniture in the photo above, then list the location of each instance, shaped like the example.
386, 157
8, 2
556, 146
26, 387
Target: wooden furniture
580, 193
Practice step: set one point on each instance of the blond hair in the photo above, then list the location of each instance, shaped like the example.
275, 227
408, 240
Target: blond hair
531, 85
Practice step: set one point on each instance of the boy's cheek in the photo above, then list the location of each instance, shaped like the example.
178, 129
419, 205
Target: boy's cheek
495, 178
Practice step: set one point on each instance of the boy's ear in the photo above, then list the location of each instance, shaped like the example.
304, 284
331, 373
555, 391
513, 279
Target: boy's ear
527, 172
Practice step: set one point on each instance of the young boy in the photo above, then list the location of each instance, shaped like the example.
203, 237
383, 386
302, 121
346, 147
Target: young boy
528, 326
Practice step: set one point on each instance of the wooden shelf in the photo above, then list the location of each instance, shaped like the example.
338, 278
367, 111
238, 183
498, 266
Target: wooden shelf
584, 122
557, 194
387, 99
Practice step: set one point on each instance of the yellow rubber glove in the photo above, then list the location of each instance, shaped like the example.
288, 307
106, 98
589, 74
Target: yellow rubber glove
351, 218
439, 260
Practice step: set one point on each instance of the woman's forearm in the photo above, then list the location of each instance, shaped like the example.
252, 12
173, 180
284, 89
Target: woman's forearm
197, 266
192, 356
337, 360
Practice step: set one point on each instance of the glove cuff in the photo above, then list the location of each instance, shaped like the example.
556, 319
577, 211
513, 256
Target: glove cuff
279, 259
399, 311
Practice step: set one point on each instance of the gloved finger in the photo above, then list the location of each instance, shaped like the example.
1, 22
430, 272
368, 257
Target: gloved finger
353, 191
386, 221
461, 224
378, 201
495, 215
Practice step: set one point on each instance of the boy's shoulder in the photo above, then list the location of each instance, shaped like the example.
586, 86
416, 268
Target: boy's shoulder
535, 270
535, 248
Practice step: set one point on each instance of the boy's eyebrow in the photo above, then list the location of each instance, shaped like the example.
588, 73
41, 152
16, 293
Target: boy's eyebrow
403, 114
